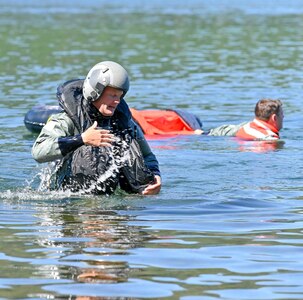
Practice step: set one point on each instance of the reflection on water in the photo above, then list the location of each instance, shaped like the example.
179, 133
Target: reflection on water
91, 239
228, 221
260, 146
64, 241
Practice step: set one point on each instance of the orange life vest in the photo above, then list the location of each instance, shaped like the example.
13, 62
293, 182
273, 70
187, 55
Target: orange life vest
161, 122
257, 130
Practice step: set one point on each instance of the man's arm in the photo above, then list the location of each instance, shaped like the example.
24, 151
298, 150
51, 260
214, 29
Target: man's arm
56, 139
226, 130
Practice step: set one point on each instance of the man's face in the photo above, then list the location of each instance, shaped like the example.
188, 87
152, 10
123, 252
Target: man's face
108, 101
280, 117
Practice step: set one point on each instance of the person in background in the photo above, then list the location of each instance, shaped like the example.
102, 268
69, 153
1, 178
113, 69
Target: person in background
266, 125
94, 141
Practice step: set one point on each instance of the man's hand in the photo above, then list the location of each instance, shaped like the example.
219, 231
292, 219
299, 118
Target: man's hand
96, 137
153, 188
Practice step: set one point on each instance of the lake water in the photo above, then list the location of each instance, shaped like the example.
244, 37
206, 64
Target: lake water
228, 221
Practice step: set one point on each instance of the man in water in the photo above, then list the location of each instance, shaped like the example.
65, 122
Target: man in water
93, 136
266, 125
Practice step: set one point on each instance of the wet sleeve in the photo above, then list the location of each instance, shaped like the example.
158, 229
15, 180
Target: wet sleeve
55, 139
70, 143
148, 156
226, 130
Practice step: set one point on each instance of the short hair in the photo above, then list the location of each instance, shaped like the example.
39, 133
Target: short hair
267, 107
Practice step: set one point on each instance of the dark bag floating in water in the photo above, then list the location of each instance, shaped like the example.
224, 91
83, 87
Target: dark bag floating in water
37, 117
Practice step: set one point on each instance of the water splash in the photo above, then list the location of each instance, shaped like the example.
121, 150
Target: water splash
119, 156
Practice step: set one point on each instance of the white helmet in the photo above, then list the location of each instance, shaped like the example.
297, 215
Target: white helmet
103, 74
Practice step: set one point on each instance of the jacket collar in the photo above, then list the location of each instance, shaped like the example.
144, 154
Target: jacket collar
266, 125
